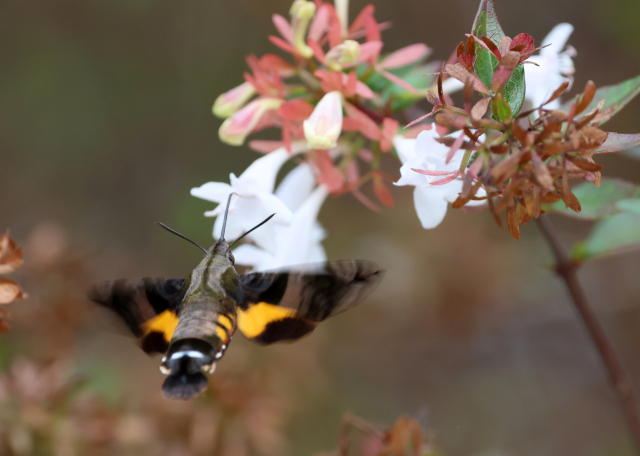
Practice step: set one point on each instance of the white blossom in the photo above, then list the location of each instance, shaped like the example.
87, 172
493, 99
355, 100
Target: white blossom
255, 199
297, 242
426, 153
555, 67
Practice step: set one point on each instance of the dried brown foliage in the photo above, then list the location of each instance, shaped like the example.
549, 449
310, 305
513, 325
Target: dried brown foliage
405, 438
523, 163
10, 259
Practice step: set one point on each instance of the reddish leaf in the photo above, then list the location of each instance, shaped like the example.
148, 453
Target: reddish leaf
328, 173
282, 44
296, 110
381, 191
405, 56
524, 44
283, 27
491, 46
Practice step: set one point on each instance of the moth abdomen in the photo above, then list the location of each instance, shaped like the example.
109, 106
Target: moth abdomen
185, 362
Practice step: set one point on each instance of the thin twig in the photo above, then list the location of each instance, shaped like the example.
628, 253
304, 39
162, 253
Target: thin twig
620, 380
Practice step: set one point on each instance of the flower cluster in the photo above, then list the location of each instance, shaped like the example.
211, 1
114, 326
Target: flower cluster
337, 104
332, 121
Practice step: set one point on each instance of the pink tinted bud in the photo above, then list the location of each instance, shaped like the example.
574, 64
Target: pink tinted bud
235, 129
344, 54
301, 12
229, 102
323, 127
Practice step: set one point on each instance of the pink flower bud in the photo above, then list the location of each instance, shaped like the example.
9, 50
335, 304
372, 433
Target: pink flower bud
229, 102
323, 127
343, 55
302, 11
236, 128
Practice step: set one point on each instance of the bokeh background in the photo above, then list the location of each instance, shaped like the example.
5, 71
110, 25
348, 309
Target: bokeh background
105, 126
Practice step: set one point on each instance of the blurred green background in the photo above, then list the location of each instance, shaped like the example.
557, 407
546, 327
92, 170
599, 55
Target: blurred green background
105, 126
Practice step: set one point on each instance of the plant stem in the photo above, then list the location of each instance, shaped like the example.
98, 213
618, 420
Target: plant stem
620, 380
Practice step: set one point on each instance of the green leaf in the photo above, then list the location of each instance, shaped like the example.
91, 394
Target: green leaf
617, 95
486, 23
514, 90
598, 202
630, 205
615, 234
501, 109
485, 66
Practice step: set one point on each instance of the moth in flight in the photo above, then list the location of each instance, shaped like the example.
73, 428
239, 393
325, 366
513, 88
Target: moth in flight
192, 321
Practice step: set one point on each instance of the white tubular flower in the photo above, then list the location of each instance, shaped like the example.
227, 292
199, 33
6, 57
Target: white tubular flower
555, 67
297, 243
255, 200
323, 127
302, 12
236, 128
229, 102
426, 153
343, 55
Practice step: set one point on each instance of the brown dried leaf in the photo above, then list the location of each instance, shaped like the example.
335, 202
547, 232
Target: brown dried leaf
521, 212
512, 223
576, 140
587, 96
541, 172
532, 202
582, 163
449, 119
10, 254
508, 193
432, 98
492, 209
559, 91
405, 434
9, 291
507, 167
480, 108
558, 116
551, 198
462, 74
594, 133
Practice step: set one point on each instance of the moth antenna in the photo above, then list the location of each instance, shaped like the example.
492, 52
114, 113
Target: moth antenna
181, 235
226, 212
255, 227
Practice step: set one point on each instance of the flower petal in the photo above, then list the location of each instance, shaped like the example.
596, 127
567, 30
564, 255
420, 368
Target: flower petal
431, 210
296, 186
212, 191
557, 39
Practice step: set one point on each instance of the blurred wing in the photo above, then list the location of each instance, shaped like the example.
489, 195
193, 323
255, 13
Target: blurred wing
148, 307
286, 304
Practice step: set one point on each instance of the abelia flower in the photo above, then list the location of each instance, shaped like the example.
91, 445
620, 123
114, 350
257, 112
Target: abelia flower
343, 55
324, 126
298, 242
554, 67
435, 191
229, 102
255, 200
251, 118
